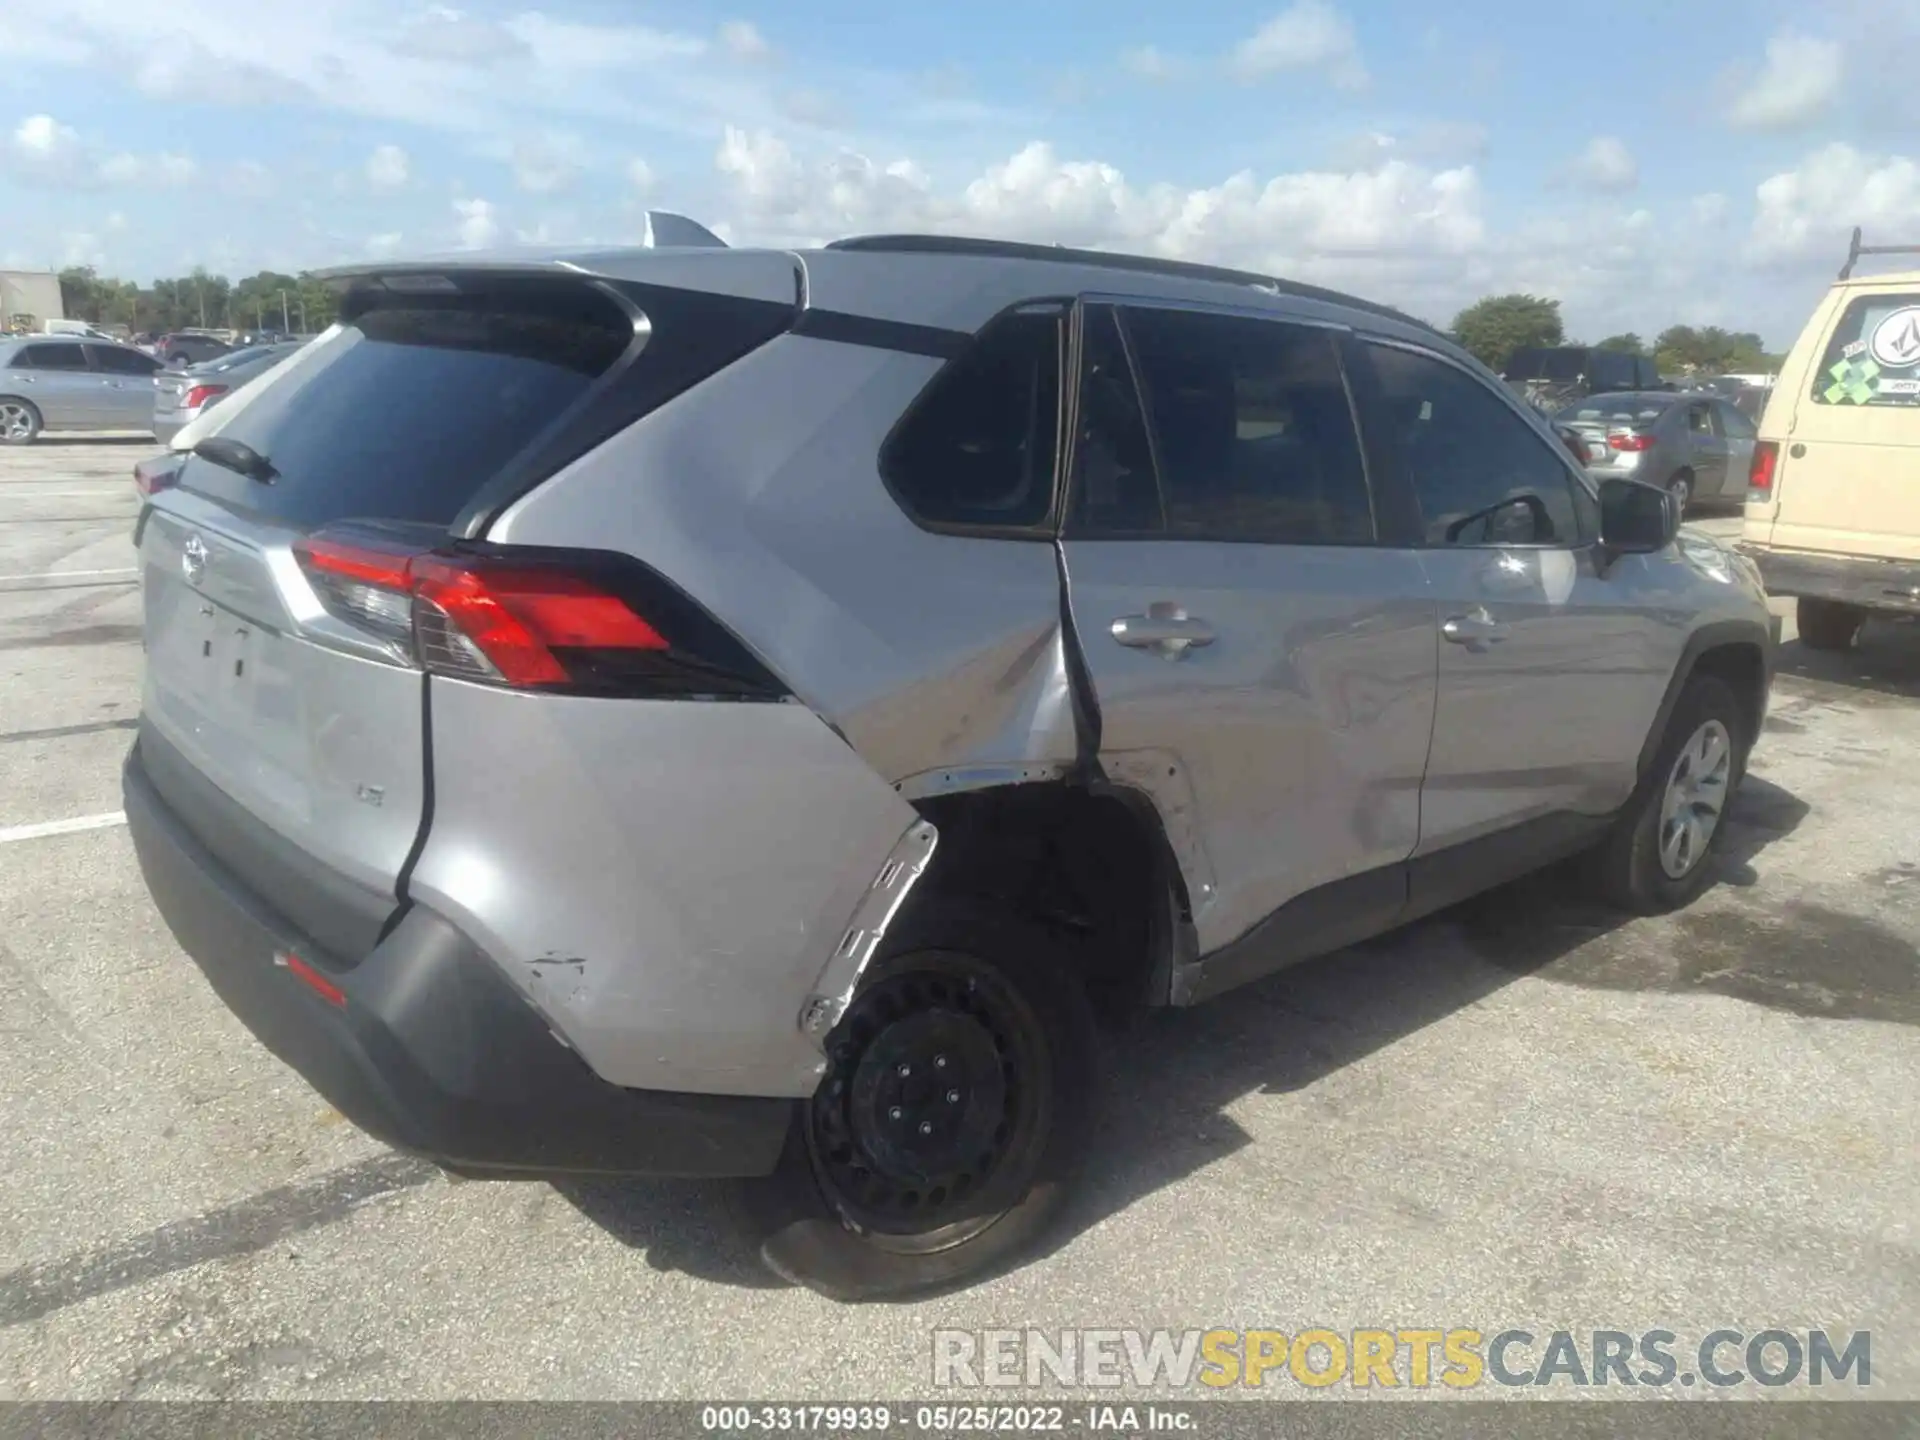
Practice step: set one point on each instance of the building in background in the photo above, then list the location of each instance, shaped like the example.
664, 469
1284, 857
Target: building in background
28, 299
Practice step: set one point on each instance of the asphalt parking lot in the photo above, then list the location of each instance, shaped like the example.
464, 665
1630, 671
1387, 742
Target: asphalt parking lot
1523, 1113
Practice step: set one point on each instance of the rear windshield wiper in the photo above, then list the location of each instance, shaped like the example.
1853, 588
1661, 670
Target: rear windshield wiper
237, 456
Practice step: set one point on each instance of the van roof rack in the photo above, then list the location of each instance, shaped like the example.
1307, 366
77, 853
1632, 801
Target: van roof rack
1110, 260
1855, 250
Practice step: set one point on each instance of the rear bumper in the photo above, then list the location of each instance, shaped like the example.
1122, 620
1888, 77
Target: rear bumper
165, 427
1854, 580
429, 1049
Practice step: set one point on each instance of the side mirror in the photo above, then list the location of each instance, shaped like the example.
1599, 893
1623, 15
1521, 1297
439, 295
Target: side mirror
1636, 518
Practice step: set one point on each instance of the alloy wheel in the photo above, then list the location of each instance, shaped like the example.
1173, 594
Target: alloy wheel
1695, 799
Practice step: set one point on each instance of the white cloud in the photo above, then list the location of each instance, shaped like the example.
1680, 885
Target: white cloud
640, 175
543, 164
1709, 210
450, 35
1308, 35
1606, 164
116, 222
479, 223
79, 248
164, 170
387, 167
173, 68
384, 244
1291, 223
248, 178
1799, 81
1807, 212
743, 40
1149, 63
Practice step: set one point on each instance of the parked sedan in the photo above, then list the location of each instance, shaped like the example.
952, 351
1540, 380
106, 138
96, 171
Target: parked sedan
1697, 445
62, 382
180, 396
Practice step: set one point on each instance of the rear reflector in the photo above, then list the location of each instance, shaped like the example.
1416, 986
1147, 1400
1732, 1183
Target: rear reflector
201, 394
568, 621
311, 978
1766, 459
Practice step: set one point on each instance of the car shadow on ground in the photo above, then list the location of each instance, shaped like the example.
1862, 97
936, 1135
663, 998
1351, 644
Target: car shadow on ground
1174, 1074
1885, 661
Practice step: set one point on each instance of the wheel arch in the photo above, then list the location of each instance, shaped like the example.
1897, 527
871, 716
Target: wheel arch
1736, 651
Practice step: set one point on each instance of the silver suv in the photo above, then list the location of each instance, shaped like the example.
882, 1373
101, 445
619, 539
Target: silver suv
717, 712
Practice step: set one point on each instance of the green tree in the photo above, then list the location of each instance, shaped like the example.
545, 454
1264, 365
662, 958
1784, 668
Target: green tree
1710, 350
1493, 328
1627, 344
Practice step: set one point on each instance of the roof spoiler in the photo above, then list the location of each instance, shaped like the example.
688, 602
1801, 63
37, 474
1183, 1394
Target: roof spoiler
666, 228
1855, 250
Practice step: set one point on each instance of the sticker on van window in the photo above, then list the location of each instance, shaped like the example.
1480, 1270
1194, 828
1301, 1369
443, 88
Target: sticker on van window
1898, 387
1896, 339
1852, 382
1853, 348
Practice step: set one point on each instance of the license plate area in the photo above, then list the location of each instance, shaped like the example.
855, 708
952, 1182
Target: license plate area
219, 668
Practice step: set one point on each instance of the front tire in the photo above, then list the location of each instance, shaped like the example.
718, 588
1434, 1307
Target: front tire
19, 421
1828, 624
1681, 488
949, 1125
1657, 856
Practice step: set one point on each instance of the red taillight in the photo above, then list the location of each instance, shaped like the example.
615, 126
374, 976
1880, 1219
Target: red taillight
499, 622
201, 394
162, 472
476, 617
1766, 459
1630, 442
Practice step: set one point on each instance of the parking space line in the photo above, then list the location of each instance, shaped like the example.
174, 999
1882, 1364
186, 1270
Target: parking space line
68, 580
122, 571
45, 828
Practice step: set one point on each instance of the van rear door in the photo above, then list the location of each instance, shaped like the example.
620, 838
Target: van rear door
1848, 480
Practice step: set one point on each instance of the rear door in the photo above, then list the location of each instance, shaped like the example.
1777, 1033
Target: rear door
1849, 470
126, 386
399, 415
1261, 651
1737, 432
1549, 672
54, 375
1706, 453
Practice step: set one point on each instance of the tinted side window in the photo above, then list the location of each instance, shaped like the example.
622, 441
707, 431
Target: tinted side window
979, 445
1115, 488
116, 361
1482, 475
1252, 429
52, 357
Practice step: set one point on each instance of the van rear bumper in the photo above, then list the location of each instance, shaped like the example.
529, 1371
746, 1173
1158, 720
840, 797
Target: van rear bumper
1850, 579
423, 1044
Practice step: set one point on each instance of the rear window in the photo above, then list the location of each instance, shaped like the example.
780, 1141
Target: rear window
408, 408
1615, 410
1873, 357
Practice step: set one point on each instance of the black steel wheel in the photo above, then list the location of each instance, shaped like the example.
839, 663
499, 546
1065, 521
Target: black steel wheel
948, 1122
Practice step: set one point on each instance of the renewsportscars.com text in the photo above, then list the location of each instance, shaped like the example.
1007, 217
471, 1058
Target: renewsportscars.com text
1403, 1357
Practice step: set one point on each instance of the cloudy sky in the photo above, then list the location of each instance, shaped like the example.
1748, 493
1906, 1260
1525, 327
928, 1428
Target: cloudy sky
1695, 160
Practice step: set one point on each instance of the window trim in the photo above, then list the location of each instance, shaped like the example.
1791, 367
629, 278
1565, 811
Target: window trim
1120, 304
1528, 417
1047, 527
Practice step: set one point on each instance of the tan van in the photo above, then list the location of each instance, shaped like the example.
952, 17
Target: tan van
1833, 497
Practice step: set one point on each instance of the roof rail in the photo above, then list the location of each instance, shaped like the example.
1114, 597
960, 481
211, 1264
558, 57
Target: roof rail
1855, 250
1109, 260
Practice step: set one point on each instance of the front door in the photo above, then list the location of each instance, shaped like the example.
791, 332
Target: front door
1550, 670
53, 374
1263, 666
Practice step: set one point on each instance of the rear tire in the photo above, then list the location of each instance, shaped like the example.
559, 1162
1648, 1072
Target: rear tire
949, 1126
19, 421
1828, 624
1681, 488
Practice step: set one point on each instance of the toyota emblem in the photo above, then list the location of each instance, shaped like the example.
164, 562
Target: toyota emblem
193, 559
